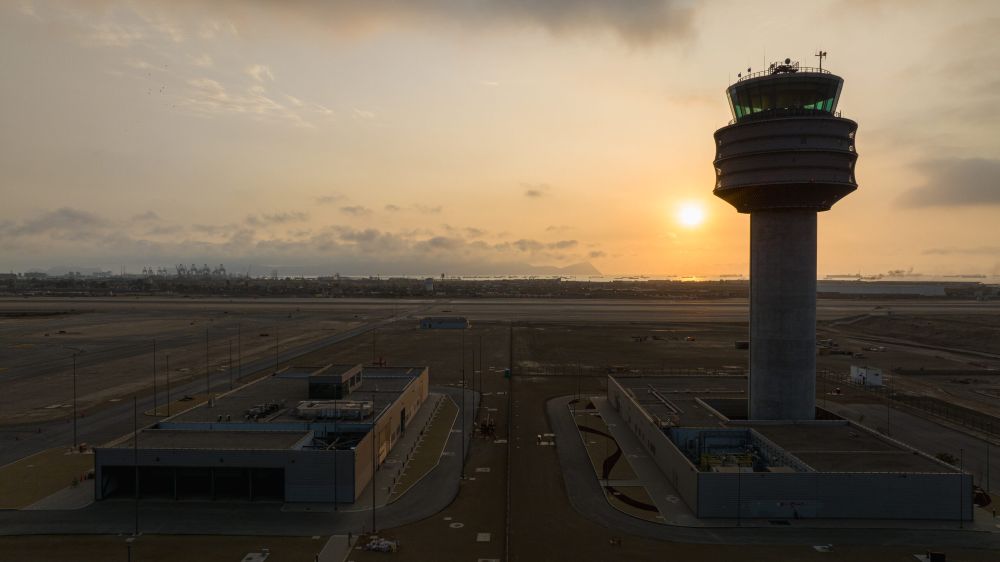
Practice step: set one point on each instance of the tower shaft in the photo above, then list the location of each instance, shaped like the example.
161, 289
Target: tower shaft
782, 314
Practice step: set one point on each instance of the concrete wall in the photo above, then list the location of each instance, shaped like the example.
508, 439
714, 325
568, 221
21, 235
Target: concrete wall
389, 427
672, 462
388, 430
835, 495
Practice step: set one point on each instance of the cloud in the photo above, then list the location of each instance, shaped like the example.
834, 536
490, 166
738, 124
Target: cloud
146, 217
69, 235
558, 228
596, 254
956, 182
528, 245
634, 22
973, 251
356, 210
330, 199
210, 98
65, 223
363, 114
563, 244
167, 230
428, 210
276, 218
202, 61
260, 72
107, 34
473, 232
535, 190
416, 207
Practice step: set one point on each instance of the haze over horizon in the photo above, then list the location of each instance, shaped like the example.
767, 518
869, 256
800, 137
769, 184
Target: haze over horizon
474, 139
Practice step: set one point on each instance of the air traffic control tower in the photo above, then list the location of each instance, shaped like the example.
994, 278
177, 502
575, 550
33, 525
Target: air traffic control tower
786, 155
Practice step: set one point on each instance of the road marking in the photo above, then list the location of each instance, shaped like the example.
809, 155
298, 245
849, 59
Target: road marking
482, 537
456, 525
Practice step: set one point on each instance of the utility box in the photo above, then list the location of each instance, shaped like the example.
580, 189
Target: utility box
866, 376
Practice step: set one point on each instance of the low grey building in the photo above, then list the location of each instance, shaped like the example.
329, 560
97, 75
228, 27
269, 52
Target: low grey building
724, 466
302, 435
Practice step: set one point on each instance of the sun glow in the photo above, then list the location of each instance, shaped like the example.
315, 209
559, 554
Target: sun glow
691, 214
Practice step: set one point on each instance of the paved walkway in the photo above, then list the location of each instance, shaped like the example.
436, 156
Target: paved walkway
72, 497
665, 497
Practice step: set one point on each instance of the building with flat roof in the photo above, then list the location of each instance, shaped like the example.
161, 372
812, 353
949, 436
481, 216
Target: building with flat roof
304, 434
725, 466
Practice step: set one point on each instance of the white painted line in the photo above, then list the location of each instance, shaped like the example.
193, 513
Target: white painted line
483, 537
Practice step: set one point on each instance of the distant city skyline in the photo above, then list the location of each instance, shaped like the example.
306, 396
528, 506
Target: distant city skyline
474, 139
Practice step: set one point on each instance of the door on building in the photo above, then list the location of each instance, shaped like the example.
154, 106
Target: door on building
402, 421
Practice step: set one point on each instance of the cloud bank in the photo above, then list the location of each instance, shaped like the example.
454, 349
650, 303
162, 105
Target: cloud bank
956, 182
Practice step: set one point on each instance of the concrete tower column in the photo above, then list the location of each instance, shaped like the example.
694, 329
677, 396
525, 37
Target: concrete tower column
783, 314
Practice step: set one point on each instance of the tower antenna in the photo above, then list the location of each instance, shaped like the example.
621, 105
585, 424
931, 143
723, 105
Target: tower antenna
821, 55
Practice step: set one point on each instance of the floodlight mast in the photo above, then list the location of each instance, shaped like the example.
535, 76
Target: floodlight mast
786, 155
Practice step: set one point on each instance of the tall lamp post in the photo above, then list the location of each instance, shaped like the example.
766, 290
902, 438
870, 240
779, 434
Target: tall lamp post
75, 352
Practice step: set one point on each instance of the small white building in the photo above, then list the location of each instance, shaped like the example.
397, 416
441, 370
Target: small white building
866, 376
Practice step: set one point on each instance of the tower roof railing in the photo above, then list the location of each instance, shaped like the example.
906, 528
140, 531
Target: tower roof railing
782, 69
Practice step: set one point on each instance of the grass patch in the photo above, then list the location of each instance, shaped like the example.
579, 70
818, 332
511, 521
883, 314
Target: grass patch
34, 478
431, 446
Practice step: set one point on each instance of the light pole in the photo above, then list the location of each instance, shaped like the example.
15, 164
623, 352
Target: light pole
463, 405
208, 383
74, 402
135, 460
168, 384
239, 350
374, 453
75, 352
156, 412
961, 488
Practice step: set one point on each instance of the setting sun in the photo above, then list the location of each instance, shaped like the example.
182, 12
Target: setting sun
691, 214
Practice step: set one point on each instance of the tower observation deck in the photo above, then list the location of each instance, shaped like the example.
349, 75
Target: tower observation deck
786, 155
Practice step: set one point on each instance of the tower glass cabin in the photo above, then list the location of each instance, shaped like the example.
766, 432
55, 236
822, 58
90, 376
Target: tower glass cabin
784, 90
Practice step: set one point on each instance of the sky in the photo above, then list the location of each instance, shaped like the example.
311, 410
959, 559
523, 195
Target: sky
472, 137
